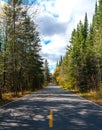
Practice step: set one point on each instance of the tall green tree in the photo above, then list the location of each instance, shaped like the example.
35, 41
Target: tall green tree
46, 72
98, 40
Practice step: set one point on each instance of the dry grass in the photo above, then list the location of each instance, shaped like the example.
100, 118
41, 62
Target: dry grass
9, 97
93, 96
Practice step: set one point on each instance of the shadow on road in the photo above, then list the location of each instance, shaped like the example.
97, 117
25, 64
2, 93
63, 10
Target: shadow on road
70, 112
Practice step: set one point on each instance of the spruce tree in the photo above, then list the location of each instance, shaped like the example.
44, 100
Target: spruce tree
46, 72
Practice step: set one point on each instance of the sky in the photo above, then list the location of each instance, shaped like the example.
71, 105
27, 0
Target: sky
56, 20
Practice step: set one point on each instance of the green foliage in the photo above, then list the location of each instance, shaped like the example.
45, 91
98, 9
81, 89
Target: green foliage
81, 68
46, 73
21, 66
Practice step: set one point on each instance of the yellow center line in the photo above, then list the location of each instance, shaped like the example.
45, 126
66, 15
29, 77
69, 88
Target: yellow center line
51, 118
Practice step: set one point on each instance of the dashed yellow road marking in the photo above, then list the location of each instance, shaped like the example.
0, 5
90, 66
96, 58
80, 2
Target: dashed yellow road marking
51, 118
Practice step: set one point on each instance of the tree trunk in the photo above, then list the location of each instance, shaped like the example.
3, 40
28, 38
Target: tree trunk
0, 93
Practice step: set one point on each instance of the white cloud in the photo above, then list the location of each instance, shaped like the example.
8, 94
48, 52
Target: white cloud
56, 22
54, 49
52, 25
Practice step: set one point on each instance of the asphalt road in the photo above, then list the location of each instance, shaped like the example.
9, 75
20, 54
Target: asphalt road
70, 112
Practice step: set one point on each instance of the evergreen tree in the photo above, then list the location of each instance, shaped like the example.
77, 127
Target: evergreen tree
98, 42
85, 30
46, 72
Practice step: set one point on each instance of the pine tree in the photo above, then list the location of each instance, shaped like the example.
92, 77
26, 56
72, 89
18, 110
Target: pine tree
46, 72
85, 28
98, 41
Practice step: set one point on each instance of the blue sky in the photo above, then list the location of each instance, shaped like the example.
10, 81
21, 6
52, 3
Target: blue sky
56, 20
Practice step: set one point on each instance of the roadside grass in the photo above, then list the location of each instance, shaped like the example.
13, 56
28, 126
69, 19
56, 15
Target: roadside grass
92, 95
9, 97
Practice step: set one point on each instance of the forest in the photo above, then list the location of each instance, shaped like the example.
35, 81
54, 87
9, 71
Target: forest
81, 67
21, 65
23, 68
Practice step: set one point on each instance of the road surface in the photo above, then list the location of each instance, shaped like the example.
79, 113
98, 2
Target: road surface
69, 112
